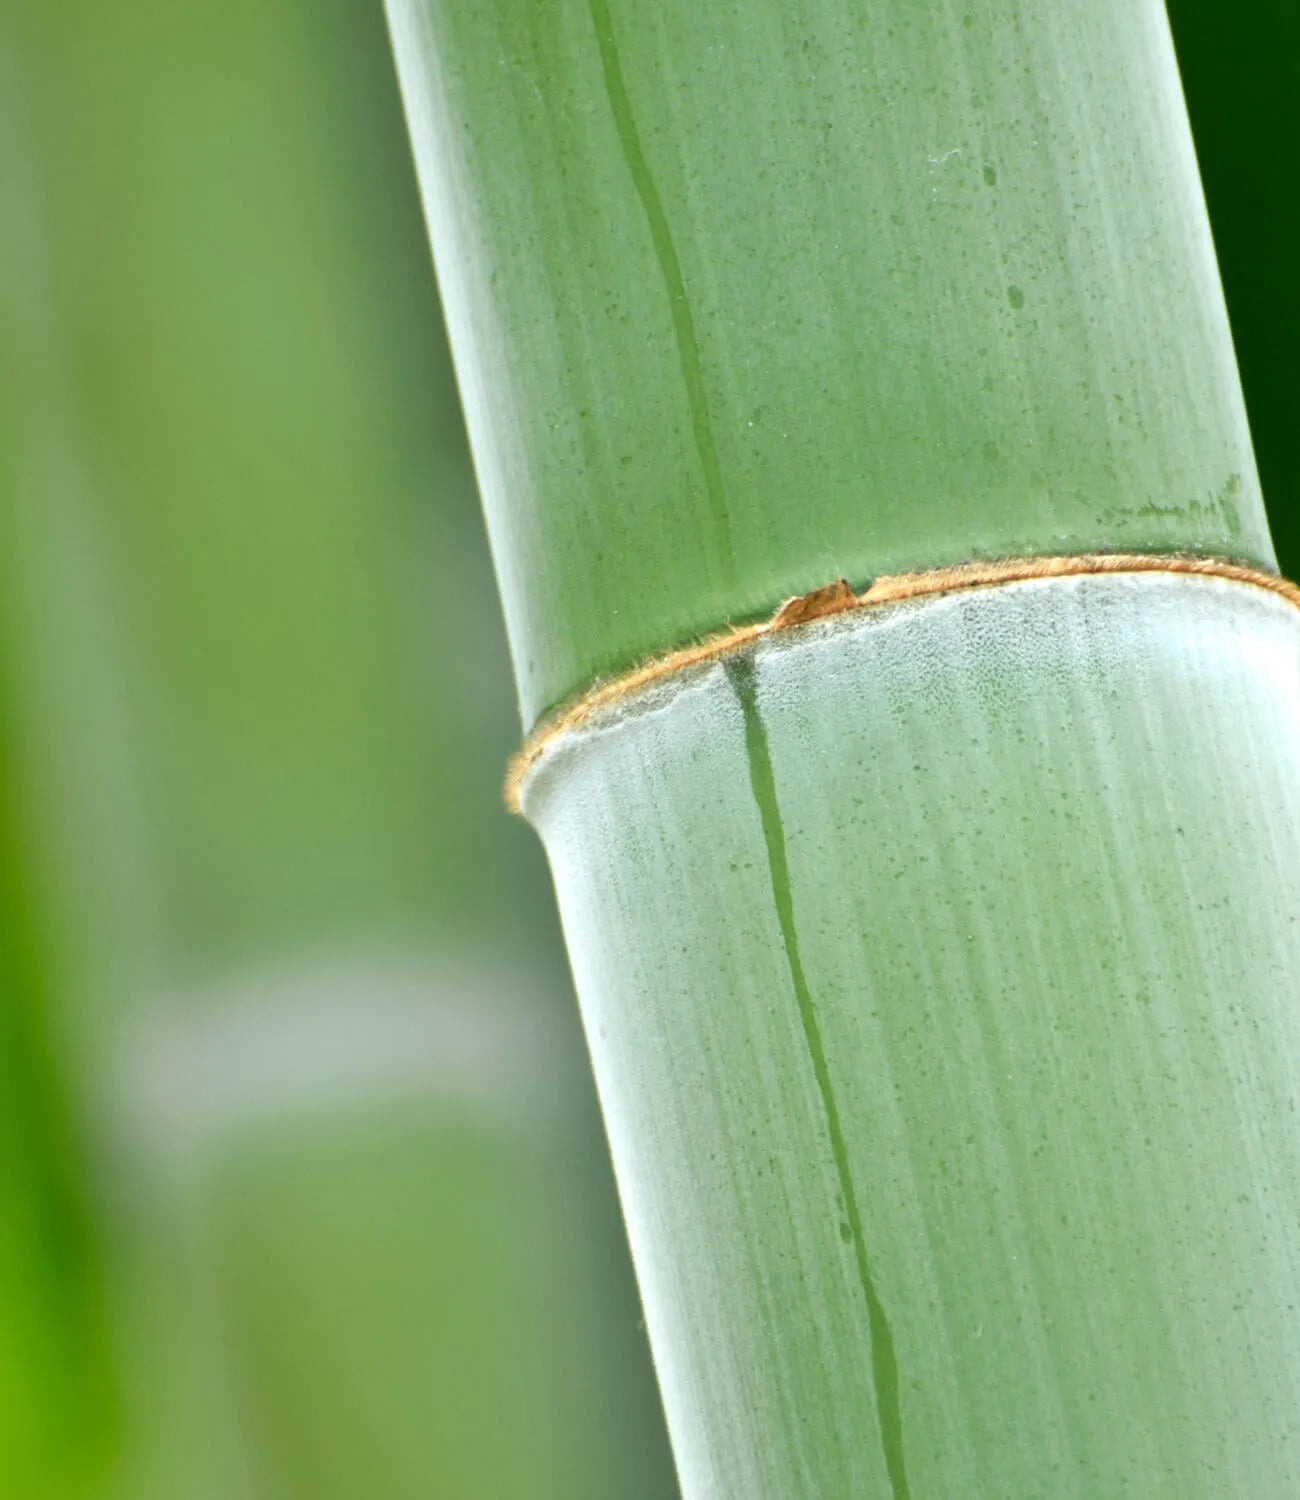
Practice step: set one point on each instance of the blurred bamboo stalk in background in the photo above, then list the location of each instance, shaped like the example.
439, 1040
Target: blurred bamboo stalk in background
333, 1167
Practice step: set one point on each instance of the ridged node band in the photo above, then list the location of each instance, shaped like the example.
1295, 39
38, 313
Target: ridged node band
839, 598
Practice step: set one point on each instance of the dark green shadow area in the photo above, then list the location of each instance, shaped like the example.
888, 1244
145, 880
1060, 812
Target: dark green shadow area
1241, 74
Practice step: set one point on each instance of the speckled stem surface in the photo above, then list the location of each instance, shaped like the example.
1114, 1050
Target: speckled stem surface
749, 296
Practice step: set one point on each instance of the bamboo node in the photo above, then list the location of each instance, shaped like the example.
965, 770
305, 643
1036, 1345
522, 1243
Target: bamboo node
838, 598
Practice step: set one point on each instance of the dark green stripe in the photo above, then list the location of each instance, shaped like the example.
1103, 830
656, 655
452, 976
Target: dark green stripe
884, 1362
670, 268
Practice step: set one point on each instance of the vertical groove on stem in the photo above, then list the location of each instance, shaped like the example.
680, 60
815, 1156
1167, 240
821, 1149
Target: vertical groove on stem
670, 268
884, 1361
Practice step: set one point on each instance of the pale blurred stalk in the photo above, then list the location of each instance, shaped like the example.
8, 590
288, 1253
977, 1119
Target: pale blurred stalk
351, 1205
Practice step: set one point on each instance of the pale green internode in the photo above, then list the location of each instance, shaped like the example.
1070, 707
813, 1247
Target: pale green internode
938, 965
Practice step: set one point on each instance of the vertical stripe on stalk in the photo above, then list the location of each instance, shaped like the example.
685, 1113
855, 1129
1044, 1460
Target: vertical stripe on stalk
884, 1362
670, 268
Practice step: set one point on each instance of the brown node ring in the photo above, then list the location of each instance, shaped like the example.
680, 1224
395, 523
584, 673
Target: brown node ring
839, 598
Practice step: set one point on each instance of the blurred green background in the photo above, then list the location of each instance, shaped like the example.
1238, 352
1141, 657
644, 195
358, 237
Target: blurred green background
302, 1186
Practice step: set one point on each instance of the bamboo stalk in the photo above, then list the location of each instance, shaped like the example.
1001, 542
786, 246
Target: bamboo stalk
935, 958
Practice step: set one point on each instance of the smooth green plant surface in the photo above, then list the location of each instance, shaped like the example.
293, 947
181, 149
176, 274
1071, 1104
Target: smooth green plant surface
747, 298
938, 966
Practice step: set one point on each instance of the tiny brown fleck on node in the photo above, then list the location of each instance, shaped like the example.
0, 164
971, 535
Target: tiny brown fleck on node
830, 599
